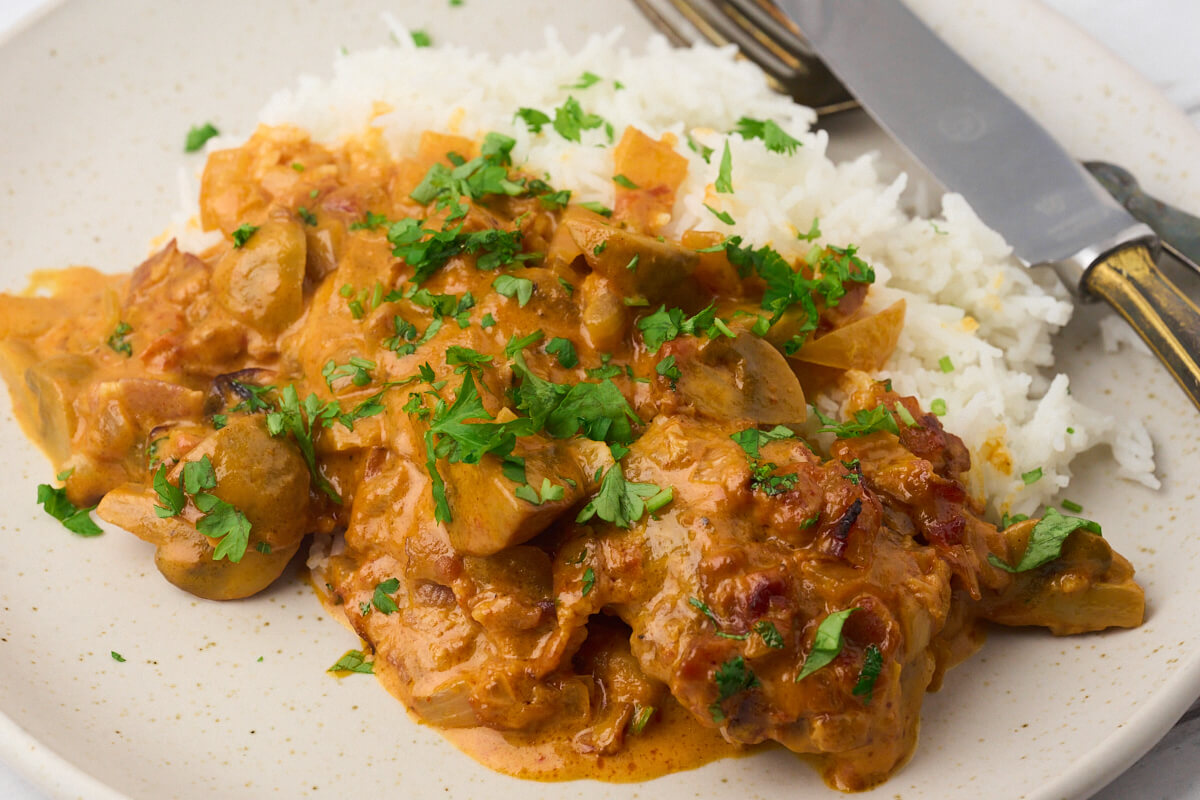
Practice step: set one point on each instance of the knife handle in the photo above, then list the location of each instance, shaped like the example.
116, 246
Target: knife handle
1130, 281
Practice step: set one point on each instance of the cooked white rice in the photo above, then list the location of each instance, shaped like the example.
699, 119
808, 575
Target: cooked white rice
968, 299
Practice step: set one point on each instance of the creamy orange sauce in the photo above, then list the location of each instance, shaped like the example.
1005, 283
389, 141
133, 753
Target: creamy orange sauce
673, 743
669, 541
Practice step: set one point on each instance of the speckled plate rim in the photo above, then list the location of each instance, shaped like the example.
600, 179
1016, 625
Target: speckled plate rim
55, 774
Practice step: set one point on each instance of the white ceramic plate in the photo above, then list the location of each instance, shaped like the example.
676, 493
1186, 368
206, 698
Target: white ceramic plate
94, 102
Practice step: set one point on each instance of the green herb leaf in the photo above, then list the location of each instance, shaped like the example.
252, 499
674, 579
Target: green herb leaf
381, 598
865, 422
769, 633
509, 286
1046, 540
589, 581
872, 666
76, 520
117, 656
814, 231
564, 350
227, 524
598, 208
534, 120
621, 180
724, 182
703, 151
117, 340
353, 661
731, 678
570, 120
773, 136
724, 216
619, 501
242, 234
826, 644
641, 718
371, 222
169, 495
421, 39
752, 439
585, 80
198, 135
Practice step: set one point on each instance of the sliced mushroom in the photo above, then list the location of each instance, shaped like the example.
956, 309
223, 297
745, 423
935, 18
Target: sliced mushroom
742, 378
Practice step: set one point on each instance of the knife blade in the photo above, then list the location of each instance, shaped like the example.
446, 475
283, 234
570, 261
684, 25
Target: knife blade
1018, 179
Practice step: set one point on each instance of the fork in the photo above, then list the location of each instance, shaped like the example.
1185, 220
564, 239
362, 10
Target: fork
763, 34
767, 37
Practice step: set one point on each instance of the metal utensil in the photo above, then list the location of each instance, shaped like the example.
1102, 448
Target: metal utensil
1178, 231
764, 35
1020, 181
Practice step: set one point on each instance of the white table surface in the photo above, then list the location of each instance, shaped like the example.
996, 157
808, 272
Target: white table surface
1159, 38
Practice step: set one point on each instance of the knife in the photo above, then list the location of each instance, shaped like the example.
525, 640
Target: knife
1018, 179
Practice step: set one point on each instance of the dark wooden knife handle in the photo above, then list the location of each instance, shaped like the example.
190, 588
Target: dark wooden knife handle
1161, 314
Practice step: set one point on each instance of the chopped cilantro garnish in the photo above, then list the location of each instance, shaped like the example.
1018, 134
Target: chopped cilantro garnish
117, 656
76, 520
752, 439
641, 718
170, 496
769, 633
589, 581
1046, 540
353, 661
773, 136
371, 222
421, 39
731, 678
309, 217
510, 286
669, 370
724, 183
299, 421
427, 251
382, 599
198, 135
872, 666
570, 120
117, 339
814, 231
703, 608
598, 208
585, 80
703, 151
358, 370
564, 350
666, 324
619, 501
724, 216
242, 234
865, 422
826, 644
533, 119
